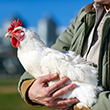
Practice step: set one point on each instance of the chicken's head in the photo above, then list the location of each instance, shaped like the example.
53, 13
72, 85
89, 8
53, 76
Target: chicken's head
15, 33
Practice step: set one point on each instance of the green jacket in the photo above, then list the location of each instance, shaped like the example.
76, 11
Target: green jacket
73, 39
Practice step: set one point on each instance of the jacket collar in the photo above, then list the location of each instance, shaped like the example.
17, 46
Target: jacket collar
90, 8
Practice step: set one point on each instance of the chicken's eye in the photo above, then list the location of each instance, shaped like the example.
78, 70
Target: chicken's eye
17, 31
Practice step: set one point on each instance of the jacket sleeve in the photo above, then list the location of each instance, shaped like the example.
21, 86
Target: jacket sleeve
103, 102
25, 82
63, 42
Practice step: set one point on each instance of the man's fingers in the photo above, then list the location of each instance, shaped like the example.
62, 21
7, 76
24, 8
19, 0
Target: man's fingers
64, 103
68, 101
47, 78
64, 90
58, 85
59, 106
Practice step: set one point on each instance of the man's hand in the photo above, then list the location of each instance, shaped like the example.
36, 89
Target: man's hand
41, 93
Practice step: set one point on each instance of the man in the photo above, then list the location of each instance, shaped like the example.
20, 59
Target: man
89, 36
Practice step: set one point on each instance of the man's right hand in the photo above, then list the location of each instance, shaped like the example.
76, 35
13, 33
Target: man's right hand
41, 93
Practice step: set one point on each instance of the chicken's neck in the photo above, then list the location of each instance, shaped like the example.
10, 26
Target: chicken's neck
31, 43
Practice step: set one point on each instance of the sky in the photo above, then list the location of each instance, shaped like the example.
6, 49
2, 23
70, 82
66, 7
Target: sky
31, 11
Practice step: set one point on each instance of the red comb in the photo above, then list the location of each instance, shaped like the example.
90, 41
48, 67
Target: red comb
14, 24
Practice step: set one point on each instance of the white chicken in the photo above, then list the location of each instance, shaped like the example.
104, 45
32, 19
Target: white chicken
38, 60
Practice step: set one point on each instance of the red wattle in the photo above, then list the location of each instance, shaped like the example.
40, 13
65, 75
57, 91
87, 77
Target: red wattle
14, 42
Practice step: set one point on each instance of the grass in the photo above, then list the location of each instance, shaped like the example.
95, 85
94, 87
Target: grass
10, 98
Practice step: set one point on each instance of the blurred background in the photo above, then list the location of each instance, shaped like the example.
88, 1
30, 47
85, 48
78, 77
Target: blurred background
48, 18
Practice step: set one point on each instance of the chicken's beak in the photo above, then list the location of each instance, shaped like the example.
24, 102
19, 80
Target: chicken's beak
8, 35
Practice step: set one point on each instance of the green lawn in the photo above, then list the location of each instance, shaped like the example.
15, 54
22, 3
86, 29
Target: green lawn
10, 98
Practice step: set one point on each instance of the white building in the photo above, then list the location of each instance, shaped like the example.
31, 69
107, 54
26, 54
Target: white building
47, 31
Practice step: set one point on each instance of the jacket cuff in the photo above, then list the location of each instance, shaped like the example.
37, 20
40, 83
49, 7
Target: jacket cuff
24, 90
83, 108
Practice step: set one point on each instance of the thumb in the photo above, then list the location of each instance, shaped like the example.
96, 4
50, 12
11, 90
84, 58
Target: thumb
49, 77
